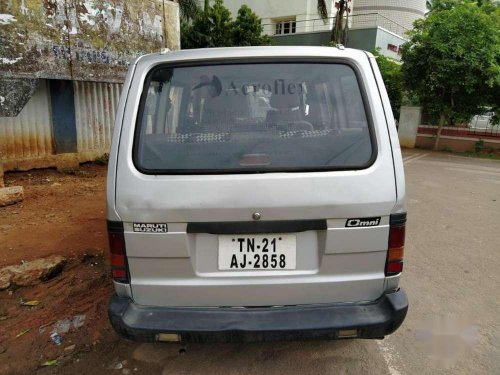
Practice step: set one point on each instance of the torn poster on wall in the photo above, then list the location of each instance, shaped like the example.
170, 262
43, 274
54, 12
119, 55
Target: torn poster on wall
88, 40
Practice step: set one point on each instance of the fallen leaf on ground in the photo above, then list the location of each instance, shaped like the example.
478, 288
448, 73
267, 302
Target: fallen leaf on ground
23, 332
46, 324
51, 362
30, 303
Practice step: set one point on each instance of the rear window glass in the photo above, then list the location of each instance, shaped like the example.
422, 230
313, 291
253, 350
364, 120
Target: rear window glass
260, 117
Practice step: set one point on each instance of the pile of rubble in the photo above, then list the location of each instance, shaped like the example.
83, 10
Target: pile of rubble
9, 195
31, 273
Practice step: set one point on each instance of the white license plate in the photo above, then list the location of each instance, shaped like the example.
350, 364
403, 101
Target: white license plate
258, 252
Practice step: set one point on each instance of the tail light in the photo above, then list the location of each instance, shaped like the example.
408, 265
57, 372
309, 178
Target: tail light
119, 269
395, 254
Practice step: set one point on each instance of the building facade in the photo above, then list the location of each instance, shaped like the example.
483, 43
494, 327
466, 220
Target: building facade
404, 12
286, 17
62, 64
372, 23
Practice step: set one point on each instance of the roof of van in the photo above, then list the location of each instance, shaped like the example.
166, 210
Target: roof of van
252, 52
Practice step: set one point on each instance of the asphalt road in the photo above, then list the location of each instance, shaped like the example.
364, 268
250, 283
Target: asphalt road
451, 276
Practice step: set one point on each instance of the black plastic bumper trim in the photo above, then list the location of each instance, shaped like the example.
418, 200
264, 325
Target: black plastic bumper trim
115, 226
255, 227
397, 219
372, 320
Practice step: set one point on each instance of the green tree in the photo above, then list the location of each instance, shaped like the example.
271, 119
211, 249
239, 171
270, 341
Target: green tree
214, 27
451, 62
210, 28
393, 80
247, 29
188, 10
438, 5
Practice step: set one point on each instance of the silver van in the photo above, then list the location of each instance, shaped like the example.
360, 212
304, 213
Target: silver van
256, 193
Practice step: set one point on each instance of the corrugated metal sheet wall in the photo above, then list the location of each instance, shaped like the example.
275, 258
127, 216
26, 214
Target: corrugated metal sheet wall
95, 107
28, 135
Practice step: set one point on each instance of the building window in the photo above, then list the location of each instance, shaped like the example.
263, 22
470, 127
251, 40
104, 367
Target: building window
285, 27
394, 48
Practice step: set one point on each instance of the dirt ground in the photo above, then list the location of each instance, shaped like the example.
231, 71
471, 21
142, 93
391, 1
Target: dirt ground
451, 277
61, 214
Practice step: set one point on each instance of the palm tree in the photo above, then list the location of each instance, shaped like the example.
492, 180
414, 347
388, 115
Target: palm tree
339, 29
188, 9
322, 9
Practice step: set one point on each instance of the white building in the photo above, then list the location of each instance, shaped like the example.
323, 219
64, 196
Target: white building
285, 17
402, 12
372, 23
298, 16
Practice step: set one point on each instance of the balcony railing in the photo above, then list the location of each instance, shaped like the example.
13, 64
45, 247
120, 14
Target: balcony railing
357, 21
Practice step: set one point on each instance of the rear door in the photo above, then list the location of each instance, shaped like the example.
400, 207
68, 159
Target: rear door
246, 161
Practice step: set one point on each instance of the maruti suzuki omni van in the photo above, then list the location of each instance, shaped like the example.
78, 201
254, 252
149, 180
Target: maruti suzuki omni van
256, 193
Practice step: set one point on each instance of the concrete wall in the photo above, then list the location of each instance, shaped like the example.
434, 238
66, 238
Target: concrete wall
306, 39
360, 39
409, 120
456, 138
364, 39
387, 41
91, 40
62, 63
458, 144
86, 40
405, 12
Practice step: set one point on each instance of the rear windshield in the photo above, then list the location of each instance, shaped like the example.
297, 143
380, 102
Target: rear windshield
260, 117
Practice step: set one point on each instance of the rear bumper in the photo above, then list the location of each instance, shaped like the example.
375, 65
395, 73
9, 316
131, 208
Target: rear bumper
371, 320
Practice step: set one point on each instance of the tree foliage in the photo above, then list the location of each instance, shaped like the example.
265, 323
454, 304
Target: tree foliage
188, 9
393, 80
247, 29
210, 28
322, 9
452, 59
437, 5
214, 27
